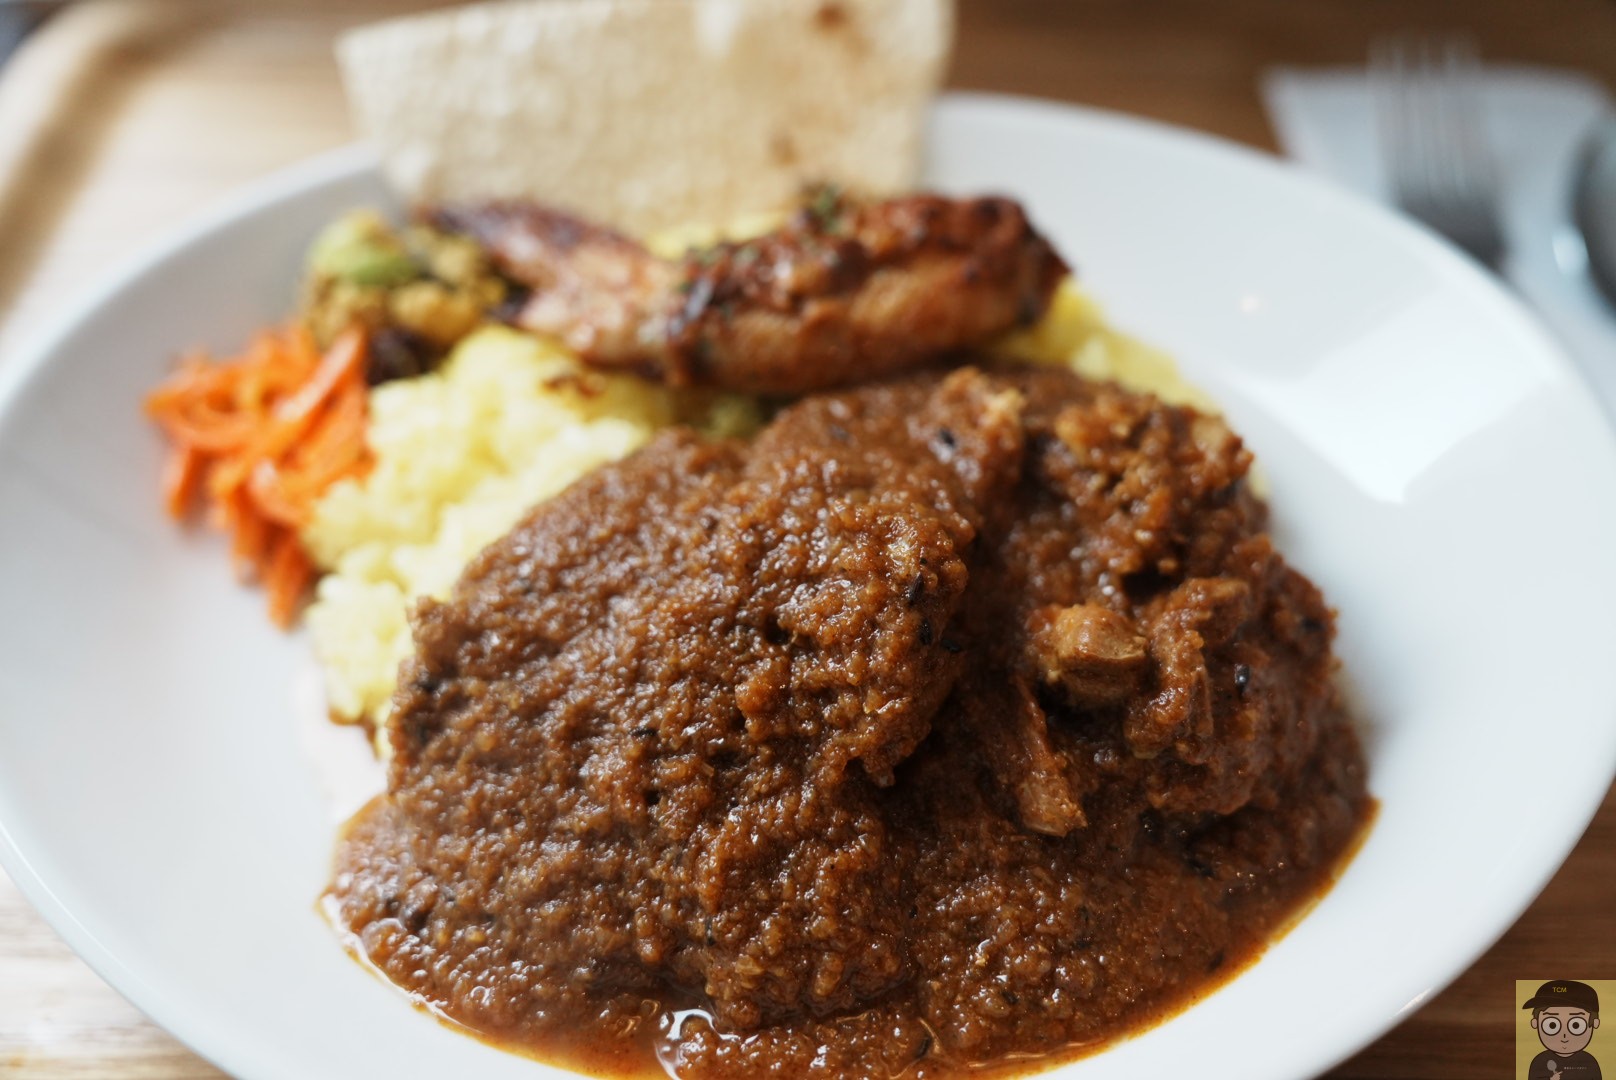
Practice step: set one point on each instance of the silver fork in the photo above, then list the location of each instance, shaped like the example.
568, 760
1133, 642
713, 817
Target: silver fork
1426, 92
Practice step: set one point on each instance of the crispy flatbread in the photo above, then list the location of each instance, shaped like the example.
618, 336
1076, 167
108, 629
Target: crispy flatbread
650, 113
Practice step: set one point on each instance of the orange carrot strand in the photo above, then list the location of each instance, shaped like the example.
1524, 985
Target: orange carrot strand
287, 579
259, 438
182, 479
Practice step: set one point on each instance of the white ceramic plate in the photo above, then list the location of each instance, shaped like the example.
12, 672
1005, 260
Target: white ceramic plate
1435, 465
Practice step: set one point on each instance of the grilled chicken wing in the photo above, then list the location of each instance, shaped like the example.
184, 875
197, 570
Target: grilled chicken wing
844, 292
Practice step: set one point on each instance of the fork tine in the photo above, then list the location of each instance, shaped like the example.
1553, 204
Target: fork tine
1392, 91
1457, 90
1425, 93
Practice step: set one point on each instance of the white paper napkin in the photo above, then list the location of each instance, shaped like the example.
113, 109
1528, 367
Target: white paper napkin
1535, 121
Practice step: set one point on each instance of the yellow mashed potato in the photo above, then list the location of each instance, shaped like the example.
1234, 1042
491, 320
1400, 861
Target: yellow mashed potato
507, 421
510, 420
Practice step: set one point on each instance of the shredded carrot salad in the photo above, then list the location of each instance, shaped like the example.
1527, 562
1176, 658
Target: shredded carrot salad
261, 436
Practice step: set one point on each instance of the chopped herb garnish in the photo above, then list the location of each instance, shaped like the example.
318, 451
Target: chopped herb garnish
826, 208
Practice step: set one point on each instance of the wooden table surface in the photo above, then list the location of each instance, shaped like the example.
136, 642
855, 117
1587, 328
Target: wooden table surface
123, 116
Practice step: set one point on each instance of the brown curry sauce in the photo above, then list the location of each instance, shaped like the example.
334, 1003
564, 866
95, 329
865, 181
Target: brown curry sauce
955, 721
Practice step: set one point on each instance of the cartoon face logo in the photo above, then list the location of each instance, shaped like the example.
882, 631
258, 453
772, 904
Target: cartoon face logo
1564, 1015
1565, 1030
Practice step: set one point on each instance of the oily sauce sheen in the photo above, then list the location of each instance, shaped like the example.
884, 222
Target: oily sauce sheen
955, 720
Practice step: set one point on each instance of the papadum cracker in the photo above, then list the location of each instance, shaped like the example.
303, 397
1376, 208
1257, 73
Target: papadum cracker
650, 113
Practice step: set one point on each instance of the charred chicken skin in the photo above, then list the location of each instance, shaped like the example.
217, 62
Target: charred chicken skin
845, 292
